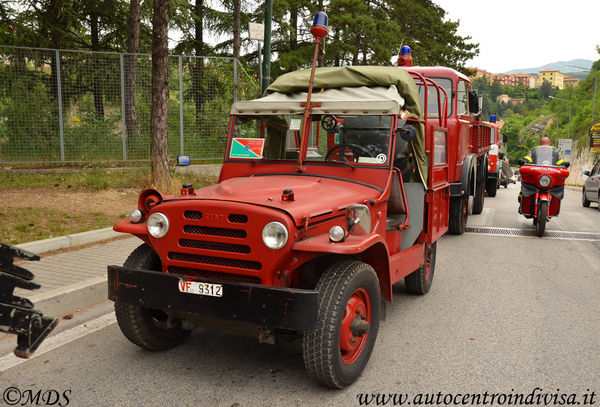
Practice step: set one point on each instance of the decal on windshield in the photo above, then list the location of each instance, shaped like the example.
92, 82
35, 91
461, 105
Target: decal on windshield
249, 148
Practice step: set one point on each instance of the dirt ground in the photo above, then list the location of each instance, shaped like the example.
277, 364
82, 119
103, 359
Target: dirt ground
113, 203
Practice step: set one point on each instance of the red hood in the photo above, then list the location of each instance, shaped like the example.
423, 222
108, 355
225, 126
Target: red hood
313, 195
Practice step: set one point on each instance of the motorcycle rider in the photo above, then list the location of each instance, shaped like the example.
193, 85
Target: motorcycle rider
538, 153
544, 141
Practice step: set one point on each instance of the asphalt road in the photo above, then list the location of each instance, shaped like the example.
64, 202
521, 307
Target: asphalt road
505, 315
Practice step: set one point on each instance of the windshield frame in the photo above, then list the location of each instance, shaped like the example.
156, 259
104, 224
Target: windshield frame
319, 140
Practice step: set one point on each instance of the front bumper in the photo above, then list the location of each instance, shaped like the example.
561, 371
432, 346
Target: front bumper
276, 307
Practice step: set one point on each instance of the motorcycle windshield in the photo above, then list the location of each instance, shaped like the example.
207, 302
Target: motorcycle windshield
544, 155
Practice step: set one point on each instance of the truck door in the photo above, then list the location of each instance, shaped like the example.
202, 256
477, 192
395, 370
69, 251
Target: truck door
464, 122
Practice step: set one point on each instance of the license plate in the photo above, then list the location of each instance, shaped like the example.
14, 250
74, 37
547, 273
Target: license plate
196, 287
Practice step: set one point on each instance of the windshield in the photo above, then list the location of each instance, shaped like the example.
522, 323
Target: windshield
339, 138
432, 97
544, 155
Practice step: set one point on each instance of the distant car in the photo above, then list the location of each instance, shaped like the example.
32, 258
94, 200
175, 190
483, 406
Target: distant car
591, 188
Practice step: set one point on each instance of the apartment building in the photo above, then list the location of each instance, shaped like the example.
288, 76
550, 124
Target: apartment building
554, 77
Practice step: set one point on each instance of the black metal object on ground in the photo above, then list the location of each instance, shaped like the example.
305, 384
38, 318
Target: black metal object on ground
17, 315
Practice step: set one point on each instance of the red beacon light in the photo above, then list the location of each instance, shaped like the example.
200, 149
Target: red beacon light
405, 58
319, 27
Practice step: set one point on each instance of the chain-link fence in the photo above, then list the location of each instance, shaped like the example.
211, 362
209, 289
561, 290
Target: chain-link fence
74, 106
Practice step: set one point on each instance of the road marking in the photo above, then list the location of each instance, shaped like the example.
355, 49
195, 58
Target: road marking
58, 340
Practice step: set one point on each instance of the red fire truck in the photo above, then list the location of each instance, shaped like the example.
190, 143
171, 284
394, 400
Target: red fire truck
468, 138
325, 200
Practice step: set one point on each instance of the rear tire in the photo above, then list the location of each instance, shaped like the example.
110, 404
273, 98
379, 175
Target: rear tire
459, 213
542, 217
150, 329
584, 200
337, 350
491, 187
419, 281
479, 197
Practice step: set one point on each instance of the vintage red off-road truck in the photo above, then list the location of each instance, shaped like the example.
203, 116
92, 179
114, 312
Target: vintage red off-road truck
468, 139
321, 206
325, 200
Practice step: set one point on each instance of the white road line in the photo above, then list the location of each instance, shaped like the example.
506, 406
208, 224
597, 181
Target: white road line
58, 340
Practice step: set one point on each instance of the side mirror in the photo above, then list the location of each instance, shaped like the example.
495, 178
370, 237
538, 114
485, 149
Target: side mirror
505, 138
567, 164
474, 102
407, 132
586, 173
521, 162
501, 156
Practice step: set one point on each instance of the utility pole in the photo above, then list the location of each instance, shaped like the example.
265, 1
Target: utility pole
266, 68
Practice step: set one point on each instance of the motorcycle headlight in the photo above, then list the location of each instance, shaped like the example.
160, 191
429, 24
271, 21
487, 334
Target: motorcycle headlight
275, 235
158, 225
545, 180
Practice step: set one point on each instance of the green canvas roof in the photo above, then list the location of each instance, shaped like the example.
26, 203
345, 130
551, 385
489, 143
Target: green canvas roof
356, 77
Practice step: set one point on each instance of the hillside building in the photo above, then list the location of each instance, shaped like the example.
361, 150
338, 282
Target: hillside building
552, 76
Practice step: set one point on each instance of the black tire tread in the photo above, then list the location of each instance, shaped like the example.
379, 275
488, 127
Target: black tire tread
318, 345
133, 319
416, 282
584, 201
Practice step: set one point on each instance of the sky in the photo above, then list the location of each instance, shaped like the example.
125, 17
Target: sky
514, 34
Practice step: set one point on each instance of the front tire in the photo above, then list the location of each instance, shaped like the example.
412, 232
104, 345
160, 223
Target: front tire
419, 281
542, 217
584, 200
337, 350
150, 329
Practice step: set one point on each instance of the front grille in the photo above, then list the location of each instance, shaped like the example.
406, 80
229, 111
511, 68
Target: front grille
237, 218
222, 247
216, 261
211, 231
214, 276
193, 215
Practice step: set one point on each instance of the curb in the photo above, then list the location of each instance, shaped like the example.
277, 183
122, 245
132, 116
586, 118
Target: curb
82, 294
71, 298
69, 241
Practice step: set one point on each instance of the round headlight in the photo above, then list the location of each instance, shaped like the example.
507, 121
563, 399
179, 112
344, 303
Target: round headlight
136, 216
158, 225
337, 234
545, 180
275, 235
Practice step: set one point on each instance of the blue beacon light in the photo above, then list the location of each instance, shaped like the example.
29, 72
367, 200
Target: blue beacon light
319, 27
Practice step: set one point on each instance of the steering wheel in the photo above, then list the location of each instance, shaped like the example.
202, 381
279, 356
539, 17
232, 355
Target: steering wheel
351, 147
329, 122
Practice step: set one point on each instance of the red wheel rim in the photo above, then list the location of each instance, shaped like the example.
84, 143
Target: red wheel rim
355, 324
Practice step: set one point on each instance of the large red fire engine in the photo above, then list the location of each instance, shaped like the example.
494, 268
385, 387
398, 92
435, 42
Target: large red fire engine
468, 138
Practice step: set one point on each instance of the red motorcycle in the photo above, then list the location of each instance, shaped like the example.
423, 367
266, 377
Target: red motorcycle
543, 178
